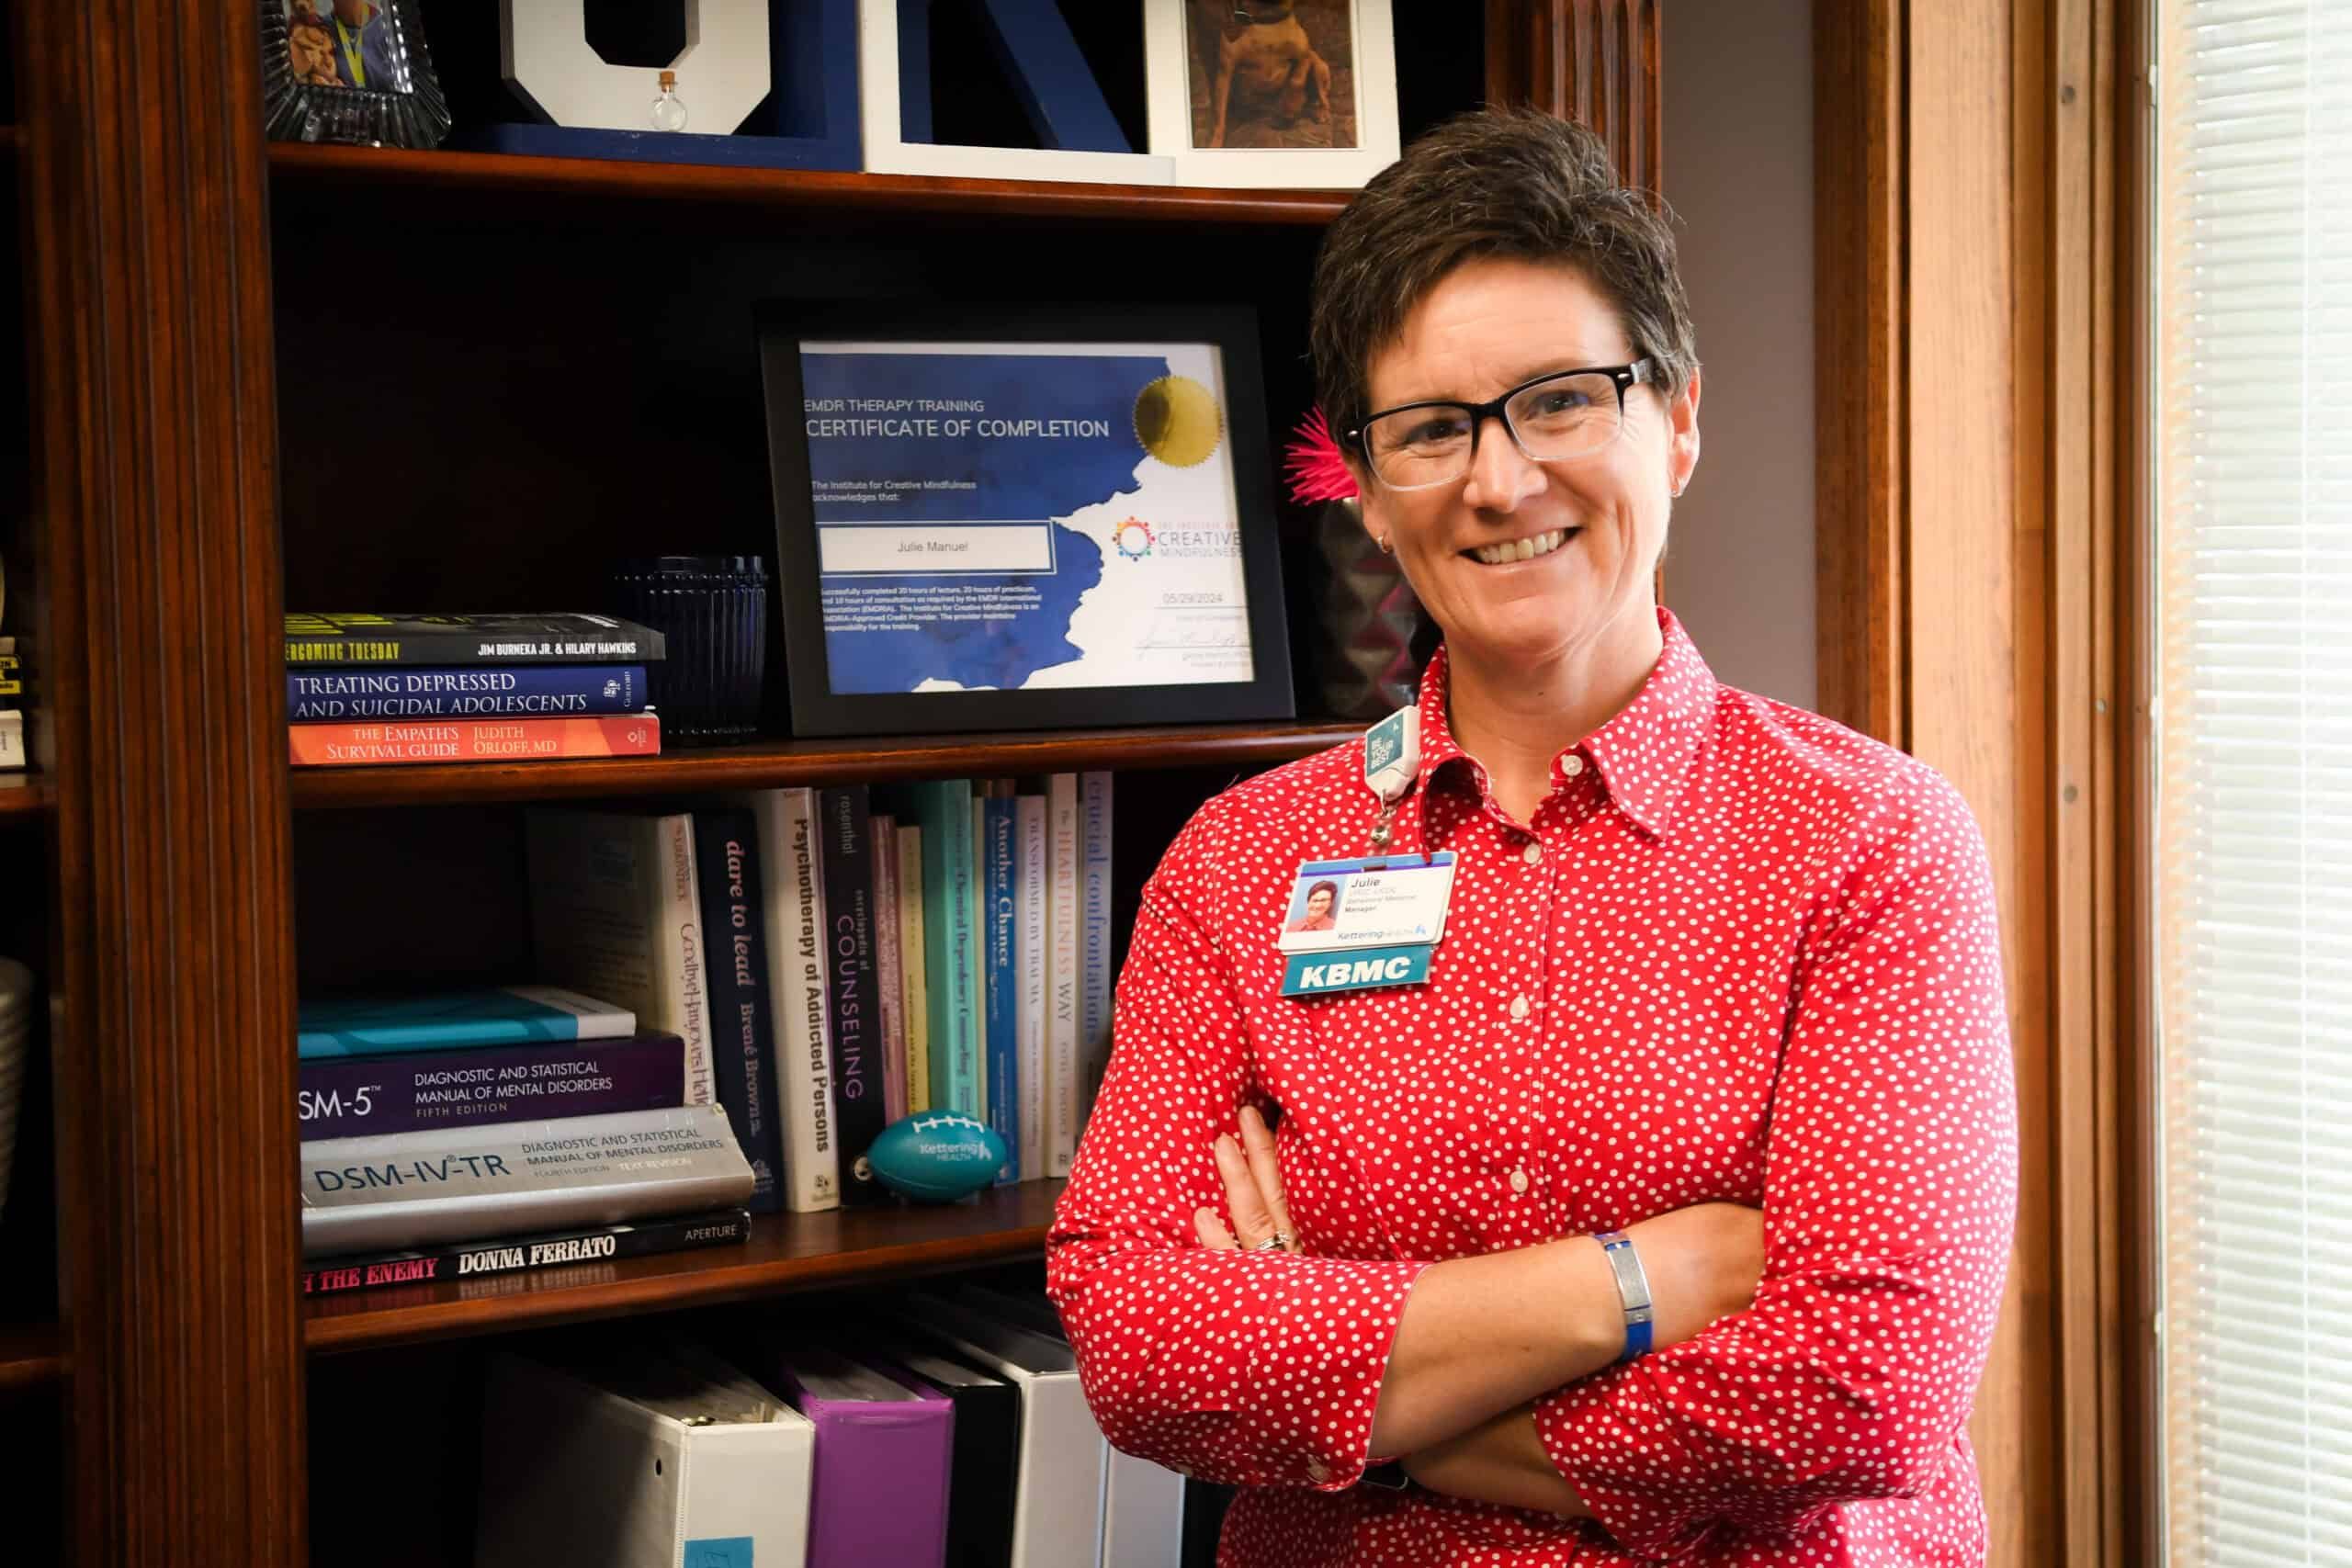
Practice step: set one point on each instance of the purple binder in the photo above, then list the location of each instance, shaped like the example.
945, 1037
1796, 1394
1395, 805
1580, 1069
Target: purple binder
879, 1493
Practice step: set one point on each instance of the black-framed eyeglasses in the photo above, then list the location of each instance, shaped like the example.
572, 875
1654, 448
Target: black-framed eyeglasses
1560, 415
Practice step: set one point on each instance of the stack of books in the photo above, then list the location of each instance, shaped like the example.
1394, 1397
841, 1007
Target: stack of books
496, 1132
949, 1429
512, 688
837, 959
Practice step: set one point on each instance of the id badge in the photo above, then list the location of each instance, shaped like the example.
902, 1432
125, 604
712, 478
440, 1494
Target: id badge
1352, 924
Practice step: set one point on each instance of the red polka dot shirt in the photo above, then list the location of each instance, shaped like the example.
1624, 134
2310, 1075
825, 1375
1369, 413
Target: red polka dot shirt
1742, 954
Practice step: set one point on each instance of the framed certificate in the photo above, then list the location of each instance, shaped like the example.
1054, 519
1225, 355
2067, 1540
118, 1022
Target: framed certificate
1049, 518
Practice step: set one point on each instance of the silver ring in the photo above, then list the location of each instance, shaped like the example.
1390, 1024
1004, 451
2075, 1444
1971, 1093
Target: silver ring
1278, 1242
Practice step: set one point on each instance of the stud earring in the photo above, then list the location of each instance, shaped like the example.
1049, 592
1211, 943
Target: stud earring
1386, 547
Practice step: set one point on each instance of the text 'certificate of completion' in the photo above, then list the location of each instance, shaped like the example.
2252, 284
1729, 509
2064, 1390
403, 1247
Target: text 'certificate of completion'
1009, 515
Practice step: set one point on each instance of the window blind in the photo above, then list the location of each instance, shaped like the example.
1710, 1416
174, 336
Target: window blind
2253, 430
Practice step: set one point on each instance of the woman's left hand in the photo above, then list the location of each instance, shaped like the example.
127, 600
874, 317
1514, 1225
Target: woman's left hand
1253, 1191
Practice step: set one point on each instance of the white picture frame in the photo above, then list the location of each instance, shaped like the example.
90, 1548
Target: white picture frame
722, 73
888, 153
1170, 64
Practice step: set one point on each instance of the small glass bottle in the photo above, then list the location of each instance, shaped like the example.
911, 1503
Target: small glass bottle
669, 112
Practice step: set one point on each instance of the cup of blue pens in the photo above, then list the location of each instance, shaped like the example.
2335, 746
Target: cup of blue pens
712, 613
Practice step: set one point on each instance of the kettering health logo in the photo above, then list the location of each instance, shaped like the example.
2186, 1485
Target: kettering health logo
1133, 537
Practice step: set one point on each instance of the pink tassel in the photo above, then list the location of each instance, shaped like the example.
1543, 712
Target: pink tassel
1317, 472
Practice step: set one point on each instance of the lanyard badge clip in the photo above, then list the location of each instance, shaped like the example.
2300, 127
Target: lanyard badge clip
1392, 759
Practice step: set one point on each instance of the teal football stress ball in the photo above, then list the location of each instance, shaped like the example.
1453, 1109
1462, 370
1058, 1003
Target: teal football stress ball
936, 1156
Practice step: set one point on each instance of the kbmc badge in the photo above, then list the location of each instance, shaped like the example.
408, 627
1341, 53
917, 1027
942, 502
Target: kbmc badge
1355, 969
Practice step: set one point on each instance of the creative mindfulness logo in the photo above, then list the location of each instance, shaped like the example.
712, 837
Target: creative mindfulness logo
1133, 537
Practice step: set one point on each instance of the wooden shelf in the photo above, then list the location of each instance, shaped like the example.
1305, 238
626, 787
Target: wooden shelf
32, 1356
785, 1253
767, 763
24, 795
511, 175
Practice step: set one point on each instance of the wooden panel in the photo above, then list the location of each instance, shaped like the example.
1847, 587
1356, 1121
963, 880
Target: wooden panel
1596, 62
2066, 65
2126, 744
787, 1252
768, 764
154, 481
1975, 652
1971, 608
1859, 322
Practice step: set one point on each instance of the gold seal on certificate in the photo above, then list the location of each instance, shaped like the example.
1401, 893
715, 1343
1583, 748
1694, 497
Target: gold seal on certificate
1178, 421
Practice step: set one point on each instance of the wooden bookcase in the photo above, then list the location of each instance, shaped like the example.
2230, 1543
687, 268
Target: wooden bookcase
262, 375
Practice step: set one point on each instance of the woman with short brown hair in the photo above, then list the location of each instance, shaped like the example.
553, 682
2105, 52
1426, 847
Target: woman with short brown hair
1670, 1211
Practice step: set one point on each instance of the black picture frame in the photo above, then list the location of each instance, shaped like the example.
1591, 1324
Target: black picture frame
368, 82
817, 710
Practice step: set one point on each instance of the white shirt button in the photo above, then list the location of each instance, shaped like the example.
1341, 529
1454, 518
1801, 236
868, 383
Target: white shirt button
1519, 1181
1519, 1006
1571, 764
1532, 852
1317, 1471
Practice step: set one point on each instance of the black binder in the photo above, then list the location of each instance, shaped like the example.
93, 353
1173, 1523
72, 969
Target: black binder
985, 1468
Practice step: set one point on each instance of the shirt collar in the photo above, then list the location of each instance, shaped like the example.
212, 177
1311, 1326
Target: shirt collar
1643, 754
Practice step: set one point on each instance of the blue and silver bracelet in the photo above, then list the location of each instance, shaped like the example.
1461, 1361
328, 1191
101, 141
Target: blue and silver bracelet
1633, 1290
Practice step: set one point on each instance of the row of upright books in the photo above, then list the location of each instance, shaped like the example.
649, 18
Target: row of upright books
730, 1005
946, 1427
508, 688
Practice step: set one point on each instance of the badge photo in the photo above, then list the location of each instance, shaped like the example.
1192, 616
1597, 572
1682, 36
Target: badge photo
1381, 901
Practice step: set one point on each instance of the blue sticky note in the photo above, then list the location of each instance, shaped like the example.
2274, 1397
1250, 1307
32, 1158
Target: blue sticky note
719, 1552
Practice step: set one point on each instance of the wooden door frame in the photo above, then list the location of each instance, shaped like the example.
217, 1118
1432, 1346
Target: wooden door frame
1978, 575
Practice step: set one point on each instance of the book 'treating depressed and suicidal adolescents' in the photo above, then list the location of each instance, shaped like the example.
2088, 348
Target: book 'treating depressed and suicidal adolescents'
418, 1189
502, 1015
515, 638
408, 740
343, 1097
405, 692
513, 1255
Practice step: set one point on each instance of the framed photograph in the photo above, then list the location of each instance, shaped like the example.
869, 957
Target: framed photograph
1023, 519
894, 86
1272, 93
354, 71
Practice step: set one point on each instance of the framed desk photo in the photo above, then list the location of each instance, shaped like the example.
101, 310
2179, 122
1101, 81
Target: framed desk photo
353, 71
1023, 518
